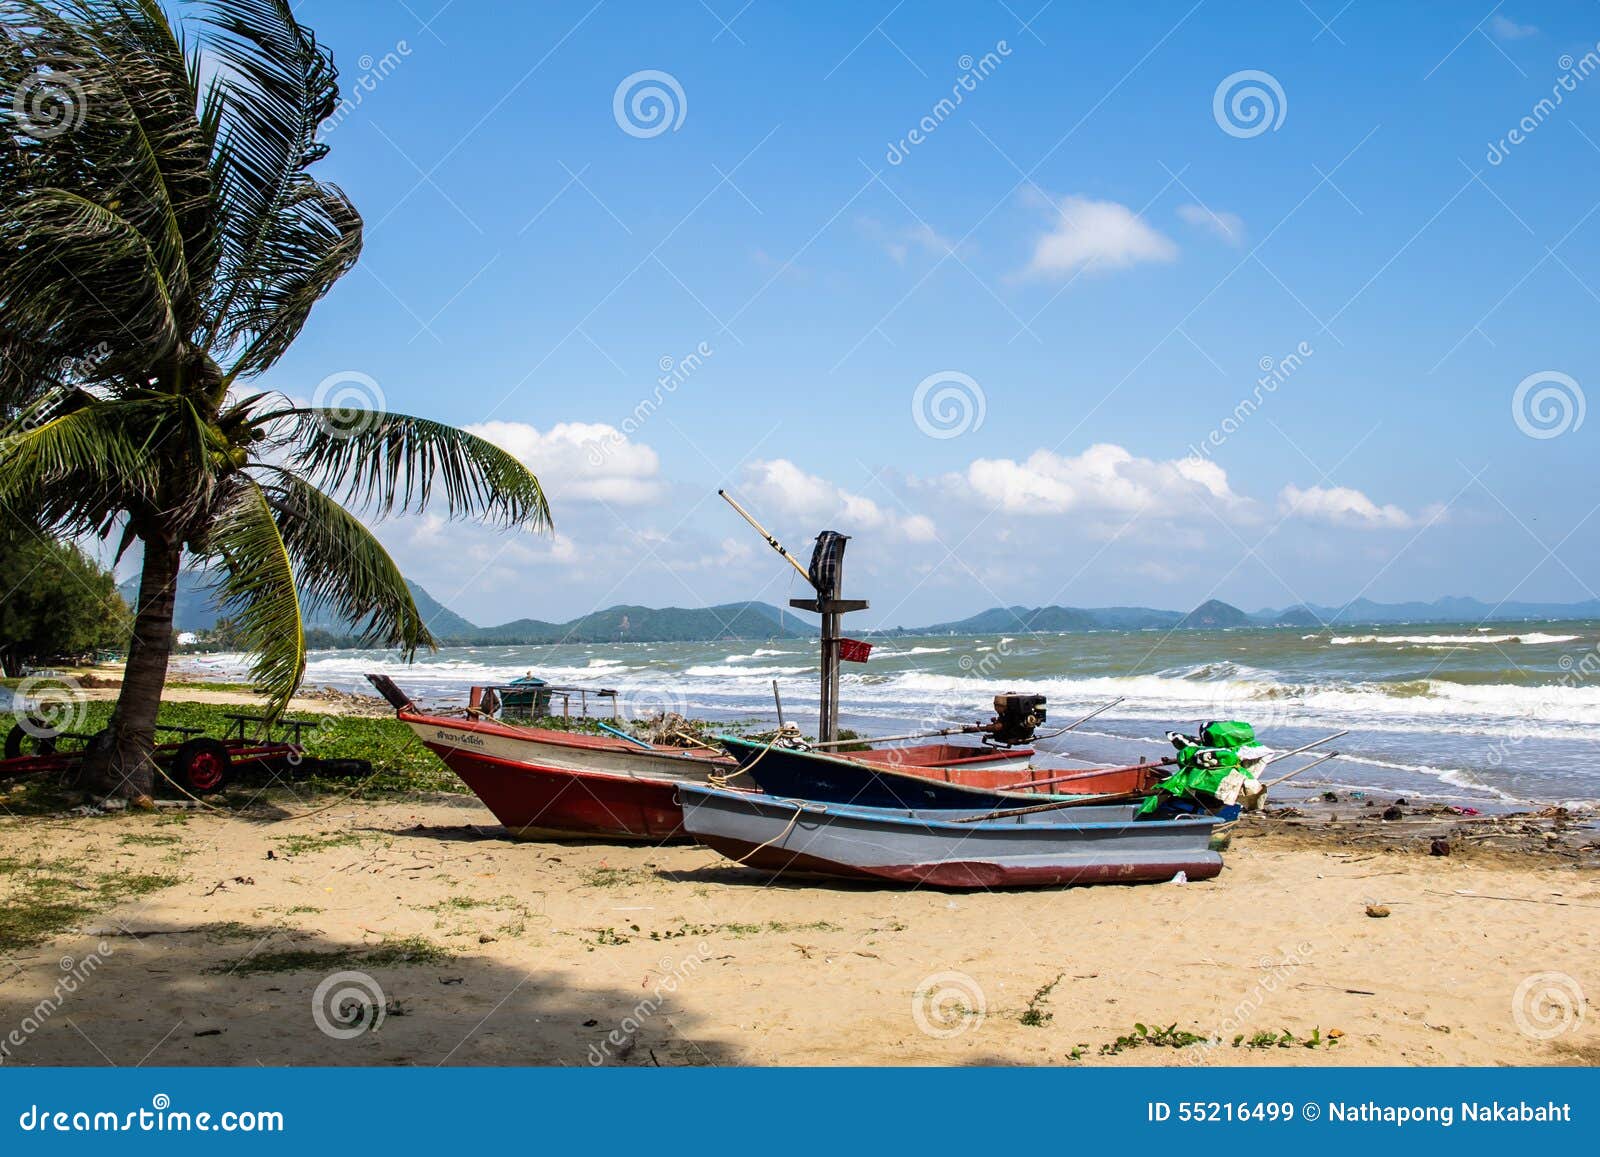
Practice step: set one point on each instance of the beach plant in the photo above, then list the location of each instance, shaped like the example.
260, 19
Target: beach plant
162, 243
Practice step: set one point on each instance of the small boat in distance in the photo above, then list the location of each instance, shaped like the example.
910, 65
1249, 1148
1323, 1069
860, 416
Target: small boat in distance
948, 848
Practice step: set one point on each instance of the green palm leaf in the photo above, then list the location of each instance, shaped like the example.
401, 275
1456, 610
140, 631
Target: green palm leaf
341, 567
387, 462
256, 587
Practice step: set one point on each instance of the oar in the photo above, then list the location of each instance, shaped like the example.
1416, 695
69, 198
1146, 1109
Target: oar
1290, 775
1077, 801
621, 734
1314, 743
1093, 771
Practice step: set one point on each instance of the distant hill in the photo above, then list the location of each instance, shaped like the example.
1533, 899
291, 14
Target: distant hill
1446, 610
1046, 620
621, 624
652, 625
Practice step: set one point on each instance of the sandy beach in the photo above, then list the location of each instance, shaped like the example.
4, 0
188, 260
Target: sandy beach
482, 950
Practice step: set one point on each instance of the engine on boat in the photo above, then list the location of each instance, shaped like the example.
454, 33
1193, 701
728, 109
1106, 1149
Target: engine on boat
1016, 717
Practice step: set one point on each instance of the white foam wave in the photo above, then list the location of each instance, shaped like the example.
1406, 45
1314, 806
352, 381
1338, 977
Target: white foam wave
1532, 638
713, 671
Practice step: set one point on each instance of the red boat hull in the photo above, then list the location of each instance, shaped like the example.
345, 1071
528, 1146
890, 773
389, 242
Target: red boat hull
547, 802
549, 784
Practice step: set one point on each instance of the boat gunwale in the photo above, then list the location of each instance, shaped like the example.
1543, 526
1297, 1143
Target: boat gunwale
909, 816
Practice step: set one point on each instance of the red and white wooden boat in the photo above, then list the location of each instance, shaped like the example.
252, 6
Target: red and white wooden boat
544, 783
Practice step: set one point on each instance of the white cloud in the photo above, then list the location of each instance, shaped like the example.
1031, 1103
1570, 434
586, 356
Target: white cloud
1095, 235
899, 244
781, 485
1341, 506
581, 461
1228, 226
1506, 28
1105, 478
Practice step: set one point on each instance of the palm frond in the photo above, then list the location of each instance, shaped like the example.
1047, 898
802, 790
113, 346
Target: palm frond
256, 588
276, 86
313, 241
79, 468
387, 462
341, 567
102, 115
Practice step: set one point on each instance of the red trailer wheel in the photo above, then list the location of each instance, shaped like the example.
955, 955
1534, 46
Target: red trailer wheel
202, 765
31, 737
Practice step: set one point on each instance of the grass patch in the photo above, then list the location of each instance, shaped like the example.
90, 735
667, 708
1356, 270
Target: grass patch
322, 842
1035, 1015
412, 950
148, 839
603, 877
40, 905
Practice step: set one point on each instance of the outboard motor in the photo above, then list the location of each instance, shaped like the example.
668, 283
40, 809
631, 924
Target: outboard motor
1016, 717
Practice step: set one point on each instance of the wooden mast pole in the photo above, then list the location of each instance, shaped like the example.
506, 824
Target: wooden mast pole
831, 608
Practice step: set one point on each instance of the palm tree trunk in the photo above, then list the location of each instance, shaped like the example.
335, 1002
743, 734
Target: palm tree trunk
124, 765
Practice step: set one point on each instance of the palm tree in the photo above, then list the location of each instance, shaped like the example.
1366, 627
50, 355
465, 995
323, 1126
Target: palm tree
161, 245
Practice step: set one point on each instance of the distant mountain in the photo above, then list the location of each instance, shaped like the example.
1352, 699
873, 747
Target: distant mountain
1213, 615
1446, 610
1047, 620
196, 611
441, 620
652, 625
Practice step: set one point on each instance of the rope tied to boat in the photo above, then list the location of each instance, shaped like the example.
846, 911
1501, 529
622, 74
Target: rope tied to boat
800, 806
718, 779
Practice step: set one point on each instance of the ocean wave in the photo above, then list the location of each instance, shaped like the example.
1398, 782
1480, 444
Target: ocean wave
712, 671
758, 653
1531, 638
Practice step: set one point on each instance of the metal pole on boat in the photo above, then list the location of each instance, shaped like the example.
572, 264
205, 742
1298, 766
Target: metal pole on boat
1092, 714
766, 534
778, 699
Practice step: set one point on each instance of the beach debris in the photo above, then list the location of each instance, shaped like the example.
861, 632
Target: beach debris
452, 980
1377, 911
1393, 812
209, 1032
485, 938
1180, 878
1330, 797
1439, 847
270, 854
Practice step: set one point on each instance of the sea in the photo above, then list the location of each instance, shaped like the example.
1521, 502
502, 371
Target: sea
1463, 712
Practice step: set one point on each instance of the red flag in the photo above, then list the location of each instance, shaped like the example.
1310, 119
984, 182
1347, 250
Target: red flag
854, 650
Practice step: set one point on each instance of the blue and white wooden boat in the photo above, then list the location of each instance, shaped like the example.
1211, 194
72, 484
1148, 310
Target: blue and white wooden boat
829, 778
1093, 844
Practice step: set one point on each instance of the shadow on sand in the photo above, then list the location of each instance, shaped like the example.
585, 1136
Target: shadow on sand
263, 995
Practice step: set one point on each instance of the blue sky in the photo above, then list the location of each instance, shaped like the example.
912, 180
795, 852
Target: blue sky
1095, 247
